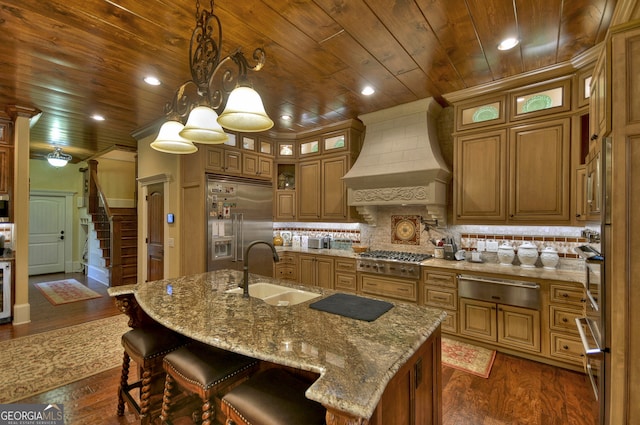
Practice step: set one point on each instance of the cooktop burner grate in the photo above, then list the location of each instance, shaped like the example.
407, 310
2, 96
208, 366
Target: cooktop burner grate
409, 257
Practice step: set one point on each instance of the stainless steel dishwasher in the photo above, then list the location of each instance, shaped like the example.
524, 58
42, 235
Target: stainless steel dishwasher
518, 293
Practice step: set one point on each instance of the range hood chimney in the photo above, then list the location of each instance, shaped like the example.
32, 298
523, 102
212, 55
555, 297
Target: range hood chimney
400, 162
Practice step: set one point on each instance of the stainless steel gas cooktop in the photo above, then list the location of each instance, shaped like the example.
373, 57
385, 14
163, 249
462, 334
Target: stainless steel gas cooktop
392, 263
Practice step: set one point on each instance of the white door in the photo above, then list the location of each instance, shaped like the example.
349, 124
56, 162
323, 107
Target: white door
46, 234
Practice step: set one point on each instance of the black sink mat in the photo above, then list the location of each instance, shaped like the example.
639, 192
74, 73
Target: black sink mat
352, 306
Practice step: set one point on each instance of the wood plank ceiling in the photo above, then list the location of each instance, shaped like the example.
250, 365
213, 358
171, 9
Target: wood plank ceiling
74, 58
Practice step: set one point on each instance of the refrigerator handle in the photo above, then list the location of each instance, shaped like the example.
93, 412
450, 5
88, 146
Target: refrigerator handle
234, 231
238, 237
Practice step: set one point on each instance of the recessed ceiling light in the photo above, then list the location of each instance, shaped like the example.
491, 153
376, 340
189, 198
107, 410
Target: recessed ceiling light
368, 91
520, 99
508, 43
152, 81
97, 117
286, 117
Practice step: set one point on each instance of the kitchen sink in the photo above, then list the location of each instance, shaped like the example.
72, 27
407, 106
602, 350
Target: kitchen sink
275, 294
290, 298
261, 290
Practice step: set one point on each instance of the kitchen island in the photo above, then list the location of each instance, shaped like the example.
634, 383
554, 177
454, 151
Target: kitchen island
382, 372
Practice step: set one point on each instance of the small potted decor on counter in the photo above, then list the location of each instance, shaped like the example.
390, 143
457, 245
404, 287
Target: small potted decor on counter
506, 254
550, 258
528, 255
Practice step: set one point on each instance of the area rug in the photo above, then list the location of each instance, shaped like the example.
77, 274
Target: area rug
37, 363
66, 291
466, 357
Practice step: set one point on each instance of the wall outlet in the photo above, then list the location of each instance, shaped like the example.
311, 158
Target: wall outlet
492, 246
171, 242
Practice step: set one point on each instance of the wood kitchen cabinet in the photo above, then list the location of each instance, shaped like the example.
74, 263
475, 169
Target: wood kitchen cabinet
507, 325
600, 100
345, 277
524, 178
285, 205
221, 160
388, 287
257, 166
316, 270
480, 176
287, 267
6, 158
539, 167
309, 189
322, 193
440, 289
566, 302
324, 157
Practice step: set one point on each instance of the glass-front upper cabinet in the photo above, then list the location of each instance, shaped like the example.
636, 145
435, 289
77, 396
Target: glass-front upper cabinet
232, 140
542, 100
480, 113
309, 147
286, 150
248, 143
266, 147
335, 142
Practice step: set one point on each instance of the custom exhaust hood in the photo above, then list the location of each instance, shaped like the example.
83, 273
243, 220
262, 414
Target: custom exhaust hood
400, 162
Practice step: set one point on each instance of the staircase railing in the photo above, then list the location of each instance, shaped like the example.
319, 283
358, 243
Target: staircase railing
97, 199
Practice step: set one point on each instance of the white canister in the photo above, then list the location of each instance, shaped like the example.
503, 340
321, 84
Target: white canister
506, 254
549, 257
527, 254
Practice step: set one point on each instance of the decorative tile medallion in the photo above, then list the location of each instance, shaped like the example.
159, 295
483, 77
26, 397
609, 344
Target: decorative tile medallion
405, 229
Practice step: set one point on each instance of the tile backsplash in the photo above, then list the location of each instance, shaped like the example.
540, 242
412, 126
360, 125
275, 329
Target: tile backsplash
564, 245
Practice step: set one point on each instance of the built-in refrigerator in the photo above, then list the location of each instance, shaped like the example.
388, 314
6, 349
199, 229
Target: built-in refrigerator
239, 211
595, 326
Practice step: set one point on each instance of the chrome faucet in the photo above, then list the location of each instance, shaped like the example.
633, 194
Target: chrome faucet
245, 281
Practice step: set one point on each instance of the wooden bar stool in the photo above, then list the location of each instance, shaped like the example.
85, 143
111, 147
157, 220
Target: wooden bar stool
146, 346
205, 371
273, 397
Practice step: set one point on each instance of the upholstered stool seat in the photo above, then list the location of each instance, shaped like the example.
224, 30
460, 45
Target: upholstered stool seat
272, 397
146, 346
206, 371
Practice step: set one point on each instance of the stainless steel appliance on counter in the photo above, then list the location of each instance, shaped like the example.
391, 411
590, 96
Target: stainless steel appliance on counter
239, 211
5, 291
594, 328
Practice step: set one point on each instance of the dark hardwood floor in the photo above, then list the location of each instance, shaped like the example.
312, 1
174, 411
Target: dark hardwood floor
518, 392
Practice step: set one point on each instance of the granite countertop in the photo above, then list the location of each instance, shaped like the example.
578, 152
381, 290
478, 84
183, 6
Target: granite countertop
355, 359
572, 272
576, 275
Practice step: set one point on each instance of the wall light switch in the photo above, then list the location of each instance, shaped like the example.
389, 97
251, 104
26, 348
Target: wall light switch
171, 242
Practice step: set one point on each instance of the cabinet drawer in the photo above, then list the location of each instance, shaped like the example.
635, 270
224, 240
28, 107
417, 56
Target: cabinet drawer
343, 265
450, 323
563, 319
389, 287
566, 347
289, 259
286, 272
566, 294
345, 282
441, 297
439, 279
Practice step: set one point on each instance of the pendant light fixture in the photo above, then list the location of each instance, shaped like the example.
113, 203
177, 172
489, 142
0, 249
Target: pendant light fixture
57, 158
199, 102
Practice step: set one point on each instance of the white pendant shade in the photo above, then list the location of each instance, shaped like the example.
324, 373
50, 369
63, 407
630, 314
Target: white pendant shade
202, 127
245, 111
56, 162
170, 141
